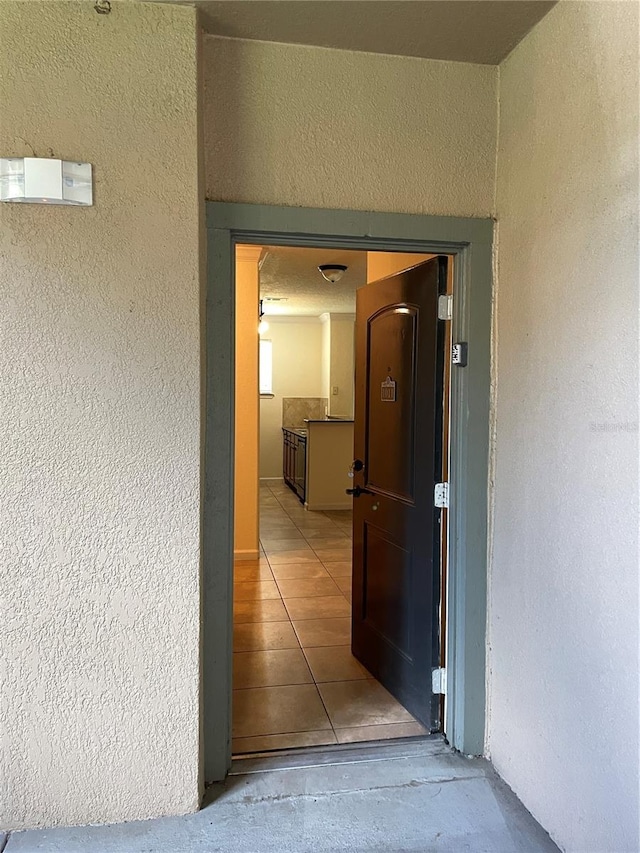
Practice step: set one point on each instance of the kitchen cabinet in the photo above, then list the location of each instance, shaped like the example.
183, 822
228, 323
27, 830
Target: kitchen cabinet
316, 462
294, 460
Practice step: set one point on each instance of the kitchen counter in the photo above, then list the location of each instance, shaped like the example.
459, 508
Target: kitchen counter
329, 458
328, 420
316, 462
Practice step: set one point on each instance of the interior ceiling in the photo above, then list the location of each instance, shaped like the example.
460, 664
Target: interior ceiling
293, 273
482, 31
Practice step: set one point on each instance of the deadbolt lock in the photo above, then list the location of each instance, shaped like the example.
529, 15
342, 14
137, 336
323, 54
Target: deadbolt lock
356, 465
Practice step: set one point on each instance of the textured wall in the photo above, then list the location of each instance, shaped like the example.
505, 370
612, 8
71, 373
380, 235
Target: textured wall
100, 420
563, 726
305, 126
297, 368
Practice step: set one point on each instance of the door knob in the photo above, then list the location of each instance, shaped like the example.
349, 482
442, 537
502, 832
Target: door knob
359, 491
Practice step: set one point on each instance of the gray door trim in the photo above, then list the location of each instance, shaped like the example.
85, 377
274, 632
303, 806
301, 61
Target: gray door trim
470, 240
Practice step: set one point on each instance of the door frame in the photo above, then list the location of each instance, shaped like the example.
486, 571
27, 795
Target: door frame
470, 240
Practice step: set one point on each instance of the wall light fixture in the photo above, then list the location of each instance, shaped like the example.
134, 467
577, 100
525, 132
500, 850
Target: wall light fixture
45, 180
263, 326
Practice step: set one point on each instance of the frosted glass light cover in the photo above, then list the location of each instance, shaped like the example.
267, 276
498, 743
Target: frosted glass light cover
76, 183
43, 180
12, 179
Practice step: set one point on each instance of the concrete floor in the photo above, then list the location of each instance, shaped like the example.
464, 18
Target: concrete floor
400, 796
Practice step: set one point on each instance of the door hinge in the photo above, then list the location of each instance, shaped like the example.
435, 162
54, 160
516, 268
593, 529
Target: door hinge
441, 495
445, 307
439, 681
459, 354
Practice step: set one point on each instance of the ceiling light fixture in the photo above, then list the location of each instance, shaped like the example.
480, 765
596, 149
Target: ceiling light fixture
332, 272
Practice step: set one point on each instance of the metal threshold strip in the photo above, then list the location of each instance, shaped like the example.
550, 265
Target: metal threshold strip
347, 753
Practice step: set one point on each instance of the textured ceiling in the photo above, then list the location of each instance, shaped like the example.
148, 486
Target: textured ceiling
482, 31
293, 273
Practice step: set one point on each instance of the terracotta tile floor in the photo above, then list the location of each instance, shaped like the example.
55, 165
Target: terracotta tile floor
295, 680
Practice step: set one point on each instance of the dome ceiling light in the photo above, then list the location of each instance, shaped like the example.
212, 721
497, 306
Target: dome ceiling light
332, 272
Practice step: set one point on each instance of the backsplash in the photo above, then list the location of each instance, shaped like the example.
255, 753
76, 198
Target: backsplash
296, 409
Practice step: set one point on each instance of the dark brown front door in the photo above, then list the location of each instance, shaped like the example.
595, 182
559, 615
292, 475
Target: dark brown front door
398, 438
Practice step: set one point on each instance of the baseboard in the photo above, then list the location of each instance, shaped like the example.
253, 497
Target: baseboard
245, 556
271, 480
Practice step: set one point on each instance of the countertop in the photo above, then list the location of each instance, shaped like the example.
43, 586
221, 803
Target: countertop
297, 430
328, 420
300, 431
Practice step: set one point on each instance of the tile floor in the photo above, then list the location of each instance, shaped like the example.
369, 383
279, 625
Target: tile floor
295, 680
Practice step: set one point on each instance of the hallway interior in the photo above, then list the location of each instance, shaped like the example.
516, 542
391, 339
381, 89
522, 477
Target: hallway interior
295, 680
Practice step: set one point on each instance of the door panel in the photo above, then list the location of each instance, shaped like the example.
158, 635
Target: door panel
398, 437
386, 585
391, 340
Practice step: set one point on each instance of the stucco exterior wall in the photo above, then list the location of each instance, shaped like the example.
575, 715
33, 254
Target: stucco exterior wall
99, 706
563, 624
305, 126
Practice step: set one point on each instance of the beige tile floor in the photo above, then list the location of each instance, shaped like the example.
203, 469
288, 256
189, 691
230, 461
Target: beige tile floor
295, 680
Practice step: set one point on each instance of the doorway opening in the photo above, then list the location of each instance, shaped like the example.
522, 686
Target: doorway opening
305, 657
470, 242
